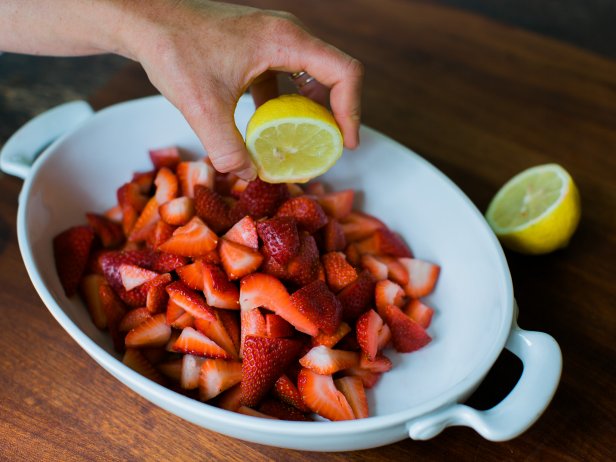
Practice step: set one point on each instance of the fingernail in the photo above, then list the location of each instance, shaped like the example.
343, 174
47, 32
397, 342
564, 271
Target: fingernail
248, 174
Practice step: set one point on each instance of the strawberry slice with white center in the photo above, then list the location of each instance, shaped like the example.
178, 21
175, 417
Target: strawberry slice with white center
191, 367
167, 186
329, 340
217, 288
133, 318
380, 364
146, 221
368, 378
358, 226
407, 335
165, 157
216, 331
133, 276
377, 268
384, 242
178, 211
353, 390
422, 276
388, 293
193, 173
192, 275
395, 270
419, 312
153, 332
324, 360
135, 359
262, 290
194, 239
322, 397
368, 328
252, 323
216, 376
190, 301
287, 392
237, 259
244, 232
195, 343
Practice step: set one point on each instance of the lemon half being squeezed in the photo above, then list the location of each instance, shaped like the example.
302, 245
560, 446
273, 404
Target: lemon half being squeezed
537, 211
293, 139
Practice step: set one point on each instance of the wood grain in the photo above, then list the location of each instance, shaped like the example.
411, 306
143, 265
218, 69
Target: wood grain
481, 101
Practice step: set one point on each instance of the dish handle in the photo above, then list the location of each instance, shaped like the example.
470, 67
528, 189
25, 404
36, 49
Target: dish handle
21, 150
542, 360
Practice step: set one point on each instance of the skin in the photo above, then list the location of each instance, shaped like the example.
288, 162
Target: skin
201, 55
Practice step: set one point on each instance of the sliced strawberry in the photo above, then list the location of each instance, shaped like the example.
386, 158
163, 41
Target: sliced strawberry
160, 233
133, 318
191, 368
358, 226
167, 186
223, 182
216, 331
422, 276
89, 291
192, 174
419, 312
172, 369
164, 262
145, 222
133, 276
368, 328
384, 337
212, 209
71, 249
252, 323
230, 399
153, 332
304, 267
384, 242
192, 275
307, 212
137, 297
190, 301
333, 236
157, 298
352, 254
380, 364
339, 204
349, 343
317, 303
144, 180
395, 270
244, 232
261, 199
110, 262
316, 188
178, 211
275, 326
114, 214
231, 321
329, 340
114, 311
238, 187
321, 396
177, 317
368, 378
195, 343
295, 189
357, 296
264, 361
282, 411
388, 293
338, 271
272, 267
138, 362
131, 202
262, 290
280, 237
407, 335
237, 259
175, 334
109, 232
165, 157
324, 360
286, 391
218, 290
377, 268
353, 390
216, 376
191, 240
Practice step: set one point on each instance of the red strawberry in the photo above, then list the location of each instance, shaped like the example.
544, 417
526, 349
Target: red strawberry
133, 276
280, 237
165, 157
160, 233
353, 390
380, 364
212, 209
194, 342
384, 242
156, 298
395, 270
216, 376
109, 232
133, 318
307, 212
231, 321
275, 326
357, 296
131, 202
71, 249
231, 399
326, 361
252, 323
238, 187
388, 293
304, 268
368, 378
419, 312
177, 211
244, 232
145, 222
262, 290
377, 268
329, 340
321, 396
422, 277
337, 204
368, 328
153, 332
333, 236
216, 331
352, 254
286, 391
338, 271
295, 189
114, 214
261, 199
190, 301
358, 226
110, 263
166, 262
316, 188
138, 362
282, 411
406, 334
144, 180
218, 290
175, 316
264, 361
192, 174
192, 275
172, 369
317, 303
191, 240
237, 259
89, 291
272, 267
167, 186
191, 368
384, 337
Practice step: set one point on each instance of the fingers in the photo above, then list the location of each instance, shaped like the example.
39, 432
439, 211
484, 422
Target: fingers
264, 88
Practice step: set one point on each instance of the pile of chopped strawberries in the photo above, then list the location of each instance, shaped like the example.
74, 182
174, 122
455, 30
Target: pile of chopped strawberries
271, 300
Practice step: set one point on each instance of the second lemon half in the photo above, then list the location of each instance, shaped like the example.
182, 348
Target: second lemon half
293, 139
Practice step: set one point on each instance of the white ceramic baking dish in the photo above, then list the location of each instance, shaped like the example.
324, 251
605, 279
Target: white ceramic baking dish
93, 153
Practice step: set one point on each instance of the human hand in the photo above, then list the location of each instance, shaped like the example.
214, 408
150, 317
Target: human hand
203, 55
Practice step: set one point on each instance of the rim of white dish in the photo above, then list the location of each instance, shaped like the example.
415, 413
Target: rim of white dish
192, 409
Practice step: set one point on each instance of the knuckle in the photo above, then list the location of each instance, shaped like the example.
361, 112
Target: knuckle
356, 68
230, 161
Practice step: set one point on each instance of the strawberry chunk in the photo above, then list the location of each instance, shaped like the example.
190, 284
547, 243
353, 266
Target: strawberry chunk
216, 331
357, 297
368, 328
307, 212
137, 361
384, 242
358, 226
212, 209
195, 343
252, 323
321, 396
153, 332
325, 361
192, 275
230, 399
338, 271
244, 232
133, 276
237, 259
165, 157
280, 237
379, 364
167, 186
191, 368
377, 268
286, 391
145, 222
261, 199
145, 181
388, 293
218, 290
216, 376
353, 390
133, 318
419, 312
160, 233
333, 236
304, 268
317, 303
156, 298
109, 232
194, 239
338, 204
275, 326
329, 340
264, 361
178, 211
282, 411
190, 301
164, 262
191, 174
407, 335
71, 250
89, 291
422, 277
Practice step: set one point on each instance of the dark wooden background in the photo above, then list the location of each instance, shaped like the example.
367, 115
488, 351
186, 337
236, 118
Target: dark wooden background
481, 101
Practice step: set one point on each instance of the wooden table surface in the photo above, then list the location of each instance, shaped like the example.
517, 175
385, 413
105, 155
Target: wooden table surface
479, 100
